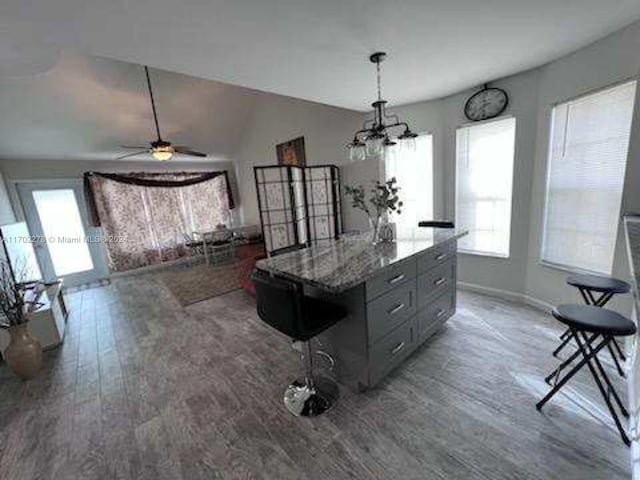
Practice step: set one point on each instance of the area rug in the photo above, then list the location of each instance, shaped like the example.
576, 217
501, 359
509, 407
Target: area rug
197, 282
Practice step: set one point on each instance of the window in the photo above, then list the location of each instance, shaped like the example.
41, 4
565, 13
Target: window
414, 171
585, 174
484, 178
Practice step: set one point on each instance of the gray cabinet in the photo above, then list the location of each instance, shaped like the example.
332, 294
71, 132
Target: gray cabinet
390, 310
391, 315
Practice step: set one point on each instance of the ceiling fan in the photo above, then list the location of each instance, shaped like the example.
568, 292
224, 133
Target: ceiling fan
159, 149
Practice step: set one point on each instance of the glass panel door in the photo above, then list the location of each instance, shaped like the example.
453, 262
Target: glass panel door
62, 227
65, 247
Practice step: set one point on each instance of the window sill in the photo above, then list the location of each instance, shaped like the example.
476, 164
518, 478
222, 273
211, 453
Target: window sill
483, 254
571, 270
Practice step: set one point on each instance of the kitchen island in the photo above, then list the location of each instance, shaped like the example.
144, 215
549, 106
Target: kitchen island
397, 295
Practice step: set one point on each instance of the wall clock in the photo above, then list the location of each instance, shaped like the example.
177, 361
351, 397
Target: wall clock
486, 103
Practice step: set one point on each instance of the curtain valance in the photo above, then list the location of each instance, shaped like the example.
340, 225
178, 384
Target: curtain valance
146, 179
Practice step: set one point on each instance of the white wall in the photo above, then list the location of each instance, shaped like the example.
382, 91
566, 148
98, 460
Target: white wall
6, 210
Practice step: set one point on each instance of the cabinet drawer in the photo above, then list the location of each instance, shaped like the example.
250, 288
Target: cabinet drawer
390, 278
391, 350
431, 317
391, 309
436, 281
436, 256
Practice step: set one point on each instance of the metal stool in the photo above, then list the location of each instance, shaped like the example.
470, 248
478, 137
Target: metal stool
593, 329
597, 291
282, 305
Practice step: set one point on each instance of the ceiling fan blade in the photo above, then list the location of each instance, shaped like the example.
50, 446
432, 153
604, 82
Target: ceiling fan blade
132, 154
187, 151
137, 147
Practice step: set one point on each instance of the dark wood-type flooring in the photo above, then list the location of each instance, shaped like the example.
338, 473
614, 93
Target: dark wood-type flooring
145, 389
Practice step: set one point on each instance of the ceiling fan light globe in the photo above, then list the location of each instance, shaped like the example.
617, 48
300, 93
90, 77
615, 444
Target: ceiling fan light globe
162, 154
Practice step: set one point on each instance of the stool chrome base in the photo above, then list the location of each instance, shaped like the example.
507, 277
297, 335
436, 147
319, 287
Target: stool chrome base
310, 398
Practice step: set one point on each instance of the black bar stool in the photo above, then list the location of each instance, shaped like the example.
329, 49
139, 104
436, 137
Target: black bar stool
593, 329
282, 305
597, 291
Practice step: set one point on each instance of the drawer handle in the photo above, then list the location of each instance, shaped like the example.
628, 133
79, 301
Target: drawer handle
441, 256
396, 309
439, 281
397, 348
396, 279
440, 313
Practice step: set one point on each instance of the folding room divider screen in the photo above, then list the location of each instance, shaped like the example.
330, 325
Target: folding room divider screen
298, 206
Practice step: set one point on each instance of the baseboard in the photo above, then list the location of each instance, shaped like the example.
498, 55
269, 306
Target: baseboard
156, 267
507, 295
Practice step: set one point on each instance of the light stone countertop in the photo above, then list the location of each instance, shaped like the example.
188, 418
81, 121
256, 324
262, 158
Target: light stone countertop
338, 265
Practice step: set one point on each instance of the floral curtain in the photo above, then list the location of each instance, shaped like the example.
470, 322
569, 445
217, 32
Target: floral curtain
144, 224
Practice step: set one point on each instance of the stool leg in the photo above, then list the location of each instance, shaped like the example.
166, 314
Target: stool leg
586, 298
619, 350
596, 360
565, 334
566, 340
573, 356
603, 300
588, 357
570, 374
615, 361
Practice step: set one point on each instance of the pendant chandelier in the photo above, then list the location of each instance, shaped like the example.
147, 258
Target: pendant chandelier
376, 136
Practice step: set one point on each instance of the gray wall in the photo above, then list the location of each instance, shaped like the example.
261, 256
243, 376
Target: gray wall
277, 119
608, 61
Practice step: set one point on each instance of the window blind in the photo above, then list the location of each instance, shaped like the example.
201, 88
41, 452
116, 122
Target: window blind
484, 179
588, 148
414, 172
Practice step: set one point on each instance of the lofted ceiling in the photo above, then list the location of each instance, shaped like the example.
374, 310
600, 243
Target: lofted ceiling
85, 107
313, 49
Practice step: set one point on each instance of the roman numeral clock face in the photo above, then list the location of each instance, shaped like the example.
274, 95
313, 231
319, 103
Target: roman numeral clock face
485, 104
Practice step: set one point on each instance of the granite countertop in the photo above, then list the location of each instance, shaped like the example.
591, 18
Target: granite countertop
337, 265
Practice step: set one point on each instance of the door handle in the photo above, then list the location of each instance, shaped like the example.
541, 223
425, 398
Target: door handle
397, 348
441, 256
439, 281
396, 309
440, 313
396, 279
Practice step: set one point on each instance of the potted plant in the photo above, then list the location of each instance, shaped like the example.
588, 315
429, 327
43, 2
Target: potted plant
383, 200
24, 353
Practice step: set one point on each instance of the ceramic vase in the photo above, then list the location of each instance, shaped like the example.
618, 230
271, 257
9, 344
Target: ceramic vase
24, 353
